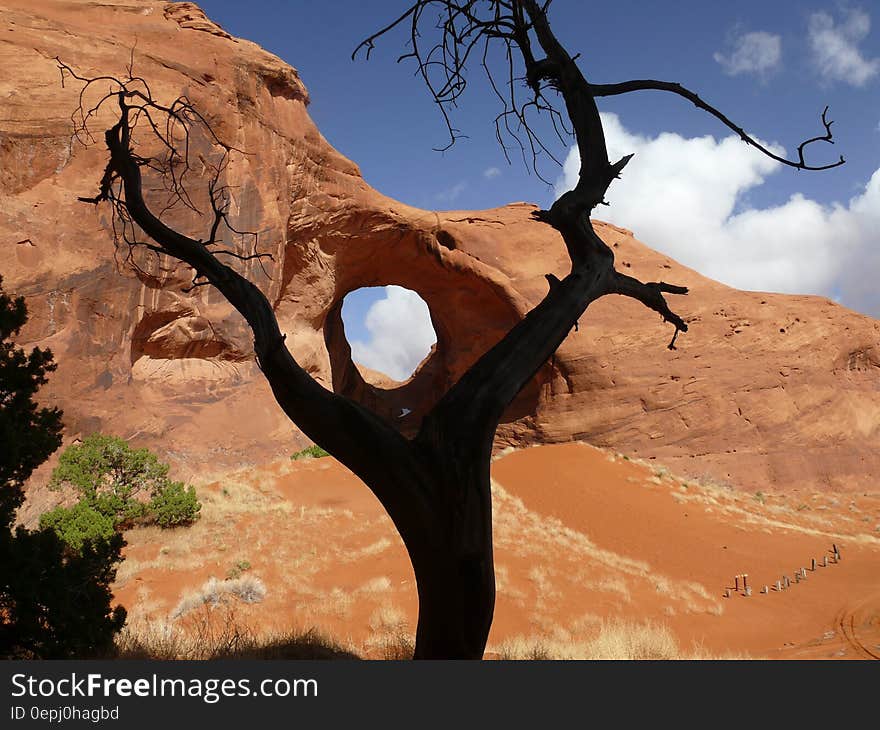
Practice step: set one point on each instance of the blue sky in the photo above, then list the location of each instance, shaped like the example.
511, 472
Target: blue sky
770, 66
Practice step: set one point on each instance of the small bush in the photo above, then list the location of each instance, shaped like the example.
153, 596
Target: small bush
236, 570
55, 602
173, 505
312, 452
213, 592
248, 588
78, 524
114, 480
106, 466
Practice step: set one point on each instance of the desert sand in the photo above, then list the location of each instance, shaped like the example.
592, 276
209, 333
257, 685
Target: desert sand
584, 537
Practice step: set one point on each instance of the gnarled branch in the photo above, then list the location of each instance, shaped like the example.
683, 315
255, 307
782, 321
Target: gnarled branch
800, 163
359, 438
651, 295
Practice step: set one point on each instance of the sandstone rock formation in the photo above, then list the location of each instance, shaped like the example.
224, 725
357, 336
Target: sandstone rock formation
765, 390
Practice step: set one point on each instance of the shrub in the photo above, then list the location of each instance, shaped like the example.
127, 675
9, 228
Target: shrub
78, 524
207, 635
236, 570
213, 592
248, 588
28, 434
312, 452
114, 479
54, 600
173, 505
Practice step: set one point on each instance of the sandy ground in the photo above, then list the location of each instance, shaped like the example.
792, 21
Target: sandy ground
583, 537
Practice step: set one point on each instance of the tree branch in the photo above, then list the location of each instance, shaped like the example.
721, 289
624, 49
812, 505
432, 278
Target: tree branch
477, 401
626, 87
356, 436
651, 295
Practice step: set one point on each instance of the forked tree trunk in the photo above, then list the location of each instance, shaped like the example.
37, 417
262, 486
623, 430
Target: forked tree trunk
435, 486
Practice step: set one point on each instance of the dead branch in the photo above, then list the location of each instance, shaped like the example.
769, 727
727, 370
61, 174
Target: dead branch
538, 73
171, 127
647, 84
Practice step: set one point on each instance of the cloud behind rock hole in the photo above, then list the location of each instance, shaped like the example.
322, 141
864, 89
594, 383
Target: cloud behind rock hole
396, 332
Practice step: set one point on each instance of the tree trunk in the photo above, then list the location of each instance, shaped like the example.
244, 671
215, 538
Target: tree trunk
456, 604
453, 564
435, 486
449, 539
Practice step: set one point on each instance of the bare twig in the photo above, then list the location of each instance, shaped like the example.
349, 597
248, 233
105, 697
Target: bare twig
172, 127
647, 84
443, 34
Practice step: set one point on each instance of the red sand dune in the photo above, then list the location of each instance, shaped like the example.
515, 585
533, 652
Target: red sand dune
582, 536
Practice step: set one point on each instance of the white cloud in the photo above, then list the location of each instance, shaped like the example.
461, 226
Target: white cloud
491, 172
401, 334
835, 47
757, 52
452, 193
687, 198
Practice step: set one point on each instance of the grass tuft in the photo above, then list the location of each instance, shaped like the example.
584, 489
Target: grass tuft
616, 640
222, 635
312, 452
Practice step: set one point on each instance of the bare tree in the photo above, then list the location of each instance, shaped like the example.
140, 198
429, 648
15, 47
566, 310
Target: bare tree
435, 485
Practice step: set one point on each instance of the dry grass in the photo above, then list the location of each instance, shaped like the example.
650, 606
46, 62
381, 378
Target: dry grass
769, 510
504, 585
391, 638
690, 593
246, 509
520, 530
615, 640
613, 584
213, 592
393, 647
525, 533
337, 602
374, 548
212, 634
388, 619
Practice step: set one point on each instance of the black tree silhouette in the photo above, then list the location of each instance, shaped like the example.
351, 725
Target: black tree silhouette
435, 485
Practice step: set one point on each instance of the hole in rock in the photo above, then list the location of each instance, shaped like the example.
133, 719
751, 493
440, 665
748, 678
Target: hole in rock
389, 330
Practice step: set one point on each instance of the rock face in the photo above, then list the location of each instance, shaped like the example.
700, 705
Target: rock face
764, 391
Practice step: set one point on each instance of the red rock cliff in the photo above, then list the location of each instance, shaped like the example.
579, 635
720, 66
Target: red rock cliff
765, 390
